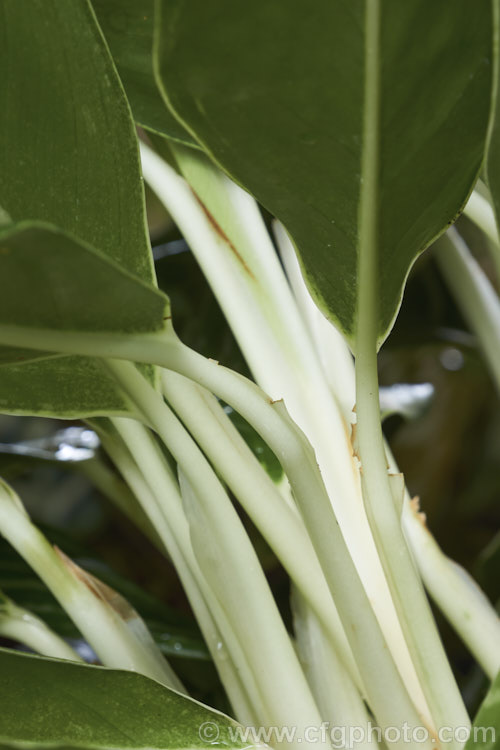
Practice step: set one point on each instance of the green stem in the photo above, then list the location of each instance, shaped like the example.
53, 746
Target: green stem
474, 295
255, 618
432, 667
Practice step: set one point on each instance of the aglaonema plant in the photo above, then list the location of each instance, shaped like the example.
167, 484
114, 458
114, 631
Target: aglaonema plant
362, 129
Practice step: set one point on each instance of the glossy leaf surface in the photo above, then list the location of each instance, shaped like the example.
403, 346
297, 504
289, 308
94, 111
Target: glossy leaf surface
50, 280
48, 702
286, 115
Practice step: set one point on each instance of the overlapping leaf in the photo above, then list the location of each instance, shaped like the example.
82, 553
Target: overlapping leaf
128, 28
70, 158
277, 93
66, 286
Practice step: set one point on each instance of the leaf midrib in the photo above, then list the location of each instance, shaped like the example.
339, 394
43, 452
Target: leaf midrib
367, 312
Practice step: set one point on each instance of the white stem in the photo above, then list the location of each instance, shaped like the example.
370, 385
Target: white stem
474, 295
451, 587
223, 600
339, 371
456, 594
338, 699
368, 645
119, 643
223, 265
23, 626
256, 620
360, 625
478, 210
336, 359
157, 491
238, 259
280, 525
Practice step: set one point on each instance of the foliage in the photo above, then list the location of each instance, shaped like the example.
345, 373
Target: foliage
362, 141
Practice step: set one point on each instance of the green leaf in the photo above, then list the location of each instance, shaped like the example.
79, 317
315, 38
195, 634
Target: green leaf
50, 280
485, 732
70, 155
493, 154
258, 446
13, 354
128, 28
68, 388
288, 119
46, 701
70, 158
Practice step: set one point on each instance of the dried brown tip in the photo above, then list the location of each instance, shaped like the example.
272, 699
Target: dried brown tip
101, 590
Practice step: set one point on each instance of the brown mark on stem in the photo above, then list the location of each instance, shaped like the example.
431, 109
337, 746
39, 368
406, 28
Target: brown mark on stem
101, 590
218, 230
415, 506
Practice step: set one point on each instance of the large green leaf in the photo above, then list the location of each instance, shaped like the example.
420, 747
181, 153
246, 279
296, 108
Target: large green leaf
70, 154
70, 158
49, 280
280, 95
128, 28
46, 702
485, 732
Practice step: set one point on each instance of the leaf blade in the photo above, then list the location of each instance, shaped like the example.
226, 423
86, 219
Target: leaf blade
128, 28
72, 161
67, 285
64, 165
485, 732
287, 124
96, 707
